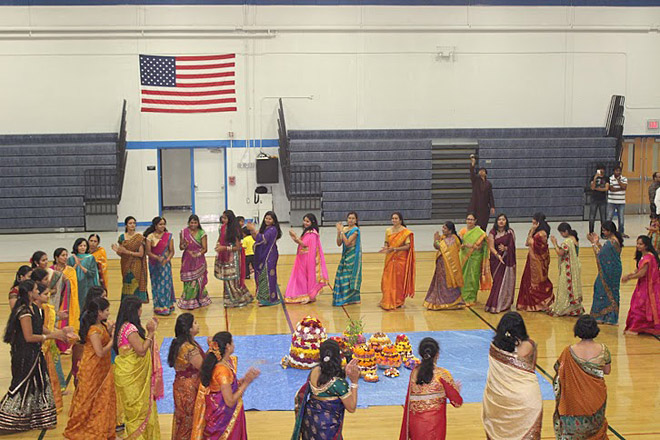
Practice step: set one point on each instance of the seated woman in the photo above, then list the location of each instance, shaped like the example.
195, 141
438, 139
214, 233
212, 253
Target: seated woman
323, 399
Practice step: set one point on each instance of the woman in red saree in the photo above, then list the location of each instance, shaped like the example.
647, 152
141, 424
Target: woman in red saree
398, 280
425, 412
535, 293
644, 313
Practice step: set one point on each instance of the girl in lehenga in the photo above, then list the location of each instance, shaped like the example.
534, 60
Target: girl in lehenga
568, 300
512, 405
398, 281
138, 373
93, 406
265, 259
321, 402
87, 271
229, 266
580, 390
535, 292
194, 274
160, 249
605, 305
130, 248
29, 403
474, 260
425, 410
309, 274
348, 278
502, 246
101, 257
445, 290
644, 313
219, 412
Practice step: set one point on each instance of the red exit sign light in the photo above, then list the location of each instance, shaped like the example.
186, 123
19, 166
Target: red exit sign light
653, 124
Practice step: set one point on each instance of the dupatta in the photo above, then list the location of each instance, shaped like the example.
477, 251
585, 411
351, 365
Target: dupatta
398, 240
452, 260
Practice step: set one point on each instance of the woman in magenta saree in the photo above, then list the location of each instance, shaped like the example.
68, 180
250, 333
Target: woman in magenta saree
265, 259
160, 249
502, 245
194, 274
644, 313
535, 292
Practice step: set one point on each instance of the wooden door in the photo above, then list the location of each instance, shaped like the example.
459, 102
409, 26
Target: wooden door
640, 159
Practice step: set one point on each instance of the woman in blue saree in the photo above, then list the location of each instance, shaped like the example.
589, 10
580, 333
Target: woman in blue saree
160, 249
321, 402
87, 271
265, 259
349, 272
605, 306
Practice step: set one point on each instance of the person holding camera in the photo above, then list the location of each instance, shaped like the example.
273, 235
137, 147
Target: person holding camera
616, 198
599, 188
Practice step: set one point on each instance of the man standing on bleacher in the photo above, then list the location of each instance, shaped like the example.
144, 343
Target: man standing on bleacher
482, 203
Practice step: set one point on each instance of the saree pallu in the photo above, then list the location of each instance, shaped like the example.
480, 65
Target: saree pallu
644, 313
93, 411
535, 292
348, 278
184, 391
52, 357
568, 300
320, 410
309, 274
162, 284
445, 290
504, 275
230, 269
194, 273
605, 306
476, 270
212, 419
85, 279
580, 397
65, 284
133, 269
102, 262
512, 405
265, 267
29, 403
398, 281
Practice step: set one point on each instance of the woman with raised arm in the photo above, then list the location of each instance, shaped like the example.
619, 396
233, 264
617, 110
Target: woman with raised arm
130, 248
348, 278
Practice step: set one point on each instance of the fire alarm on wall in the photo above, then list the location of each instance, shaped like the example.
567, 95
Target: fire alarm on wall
653, 124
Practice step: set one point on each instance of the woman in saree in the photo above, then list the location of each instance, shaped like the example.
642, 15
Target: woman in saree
348, 278
568, 300
194, 274
219, 412
425, 410
309, 274
101, 257
29, 403
23, 273
512, 405
502, 246
535, 292
474, 260
398, 281
64, 291
78, 349
93, 407
230, 262
138, 374
265, 259
87, 271
579, 384
654, 230
445, 290
130, 248
644, 313
321, 402
186, 357
160, 249
605, 305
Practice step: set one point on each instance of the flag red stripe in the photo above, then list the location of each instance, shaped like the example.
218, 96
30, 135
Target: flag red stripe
206, 57
209, 93
205, 75
205, 66
208, 84
201, 110
188, 102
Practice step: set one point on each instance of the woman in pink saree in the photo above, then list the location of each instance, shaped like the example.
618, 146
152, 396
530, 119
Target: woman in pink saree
194, 274
309, 275
644, 313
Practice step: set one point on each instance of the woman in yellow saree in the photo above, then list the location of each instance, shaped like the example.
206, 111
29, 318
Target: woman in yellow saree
445, 290
398, 280
474, 260
138, 374
101, 257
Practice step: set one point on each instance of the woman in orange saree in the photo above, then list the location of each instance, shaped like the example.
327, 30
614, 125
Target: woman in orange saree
93, 406
101, 257
580, 390
535, 293
398, 280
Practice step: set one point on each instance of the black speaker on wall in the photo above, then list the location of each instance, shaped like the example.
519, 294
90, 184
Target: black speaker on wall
268, 170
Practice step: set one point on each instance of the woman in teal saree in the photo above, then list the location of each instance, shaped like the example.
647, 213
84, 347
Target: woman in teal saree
87, 271
605, 305
349, 272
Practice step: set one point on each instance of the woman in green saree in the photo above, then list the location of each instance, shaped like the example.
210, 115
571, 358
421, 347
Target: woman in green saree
474, 260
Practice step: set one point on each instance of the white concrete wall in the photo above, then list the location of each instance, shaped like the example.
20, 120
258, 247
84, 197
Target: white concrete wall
366, 67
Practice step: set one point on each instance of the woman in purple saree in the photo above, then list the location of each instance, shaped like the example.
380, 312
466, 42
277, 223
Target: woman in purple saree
265, 259
502, 245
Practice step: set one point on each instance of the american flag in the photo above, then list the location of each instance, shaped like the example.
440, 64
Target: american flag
188, 84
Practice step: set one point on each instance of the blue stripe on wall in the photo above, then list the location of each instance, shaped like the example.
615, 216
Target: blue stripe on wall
221, 143
617, 3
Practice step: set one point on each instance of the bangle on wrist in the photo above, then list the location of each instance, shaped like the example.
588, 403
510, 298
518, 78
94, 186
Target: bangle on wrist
354, 385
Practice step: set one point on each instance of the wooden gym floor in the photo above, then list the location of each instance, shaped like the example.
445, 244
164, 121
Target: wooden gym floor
633, 387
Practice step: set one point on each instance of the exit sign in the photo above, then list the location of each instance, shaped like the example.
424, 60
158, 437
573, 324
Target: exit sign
653, 124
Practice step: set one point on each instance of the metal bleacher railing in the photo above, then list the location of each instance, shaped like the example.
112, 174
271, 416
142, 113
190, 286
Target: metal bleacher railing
615, 122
